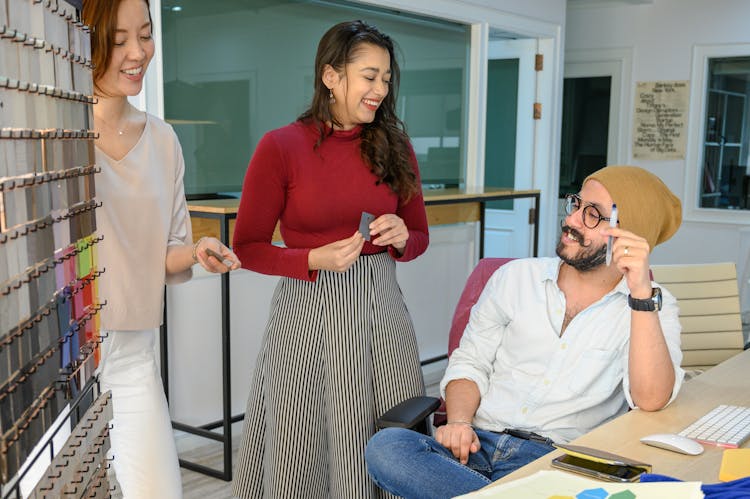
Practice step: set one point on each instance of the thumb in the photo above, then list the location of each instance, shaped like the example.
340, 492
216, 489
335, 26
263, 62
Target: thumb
475, 446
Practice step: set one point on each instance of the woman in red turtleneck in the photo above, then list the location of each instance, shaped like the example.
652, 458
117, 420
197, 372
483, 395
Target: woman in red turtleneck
339, 349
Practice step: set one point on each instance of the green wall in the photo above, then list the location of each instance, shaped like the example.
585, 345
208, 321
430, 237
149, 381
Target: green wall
502, 105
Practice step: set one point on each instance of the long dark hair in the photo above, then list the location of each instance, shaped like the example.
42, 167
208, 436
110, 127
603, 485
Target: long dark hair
385, 145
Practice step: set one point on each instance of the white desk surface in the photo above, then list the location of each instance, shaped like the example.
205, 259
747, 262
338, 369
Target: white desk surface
727, 383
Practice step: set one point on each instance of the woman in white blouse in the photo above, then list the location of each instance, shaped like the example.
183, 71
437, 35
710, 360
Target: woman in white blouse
147, 243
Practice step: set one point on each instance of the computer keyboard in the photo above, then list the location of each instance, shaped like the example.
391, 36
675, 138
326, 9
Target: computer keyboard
725, 426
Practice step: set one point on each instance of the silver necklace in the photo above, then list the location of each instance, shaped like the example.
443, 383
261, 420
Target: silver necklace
120, 131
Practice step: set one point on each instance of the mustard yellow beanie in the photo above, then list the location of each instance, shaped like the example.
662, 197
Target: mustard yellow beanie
645, 206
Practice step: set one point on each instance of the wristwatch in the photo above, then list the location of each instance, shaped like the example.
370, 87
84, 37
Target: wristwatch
652, 304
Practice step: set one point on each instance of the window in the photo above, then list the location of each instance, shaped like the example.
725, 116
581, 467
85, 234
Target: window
234, 70
716, 175
726, 170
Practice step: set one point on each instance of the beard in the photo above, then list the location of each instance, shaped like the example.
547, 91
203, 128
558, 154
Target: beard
589, 258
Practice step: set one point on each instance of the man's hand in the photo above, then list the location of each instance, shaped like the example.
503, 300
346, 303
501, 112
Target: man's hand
630, 255
460, 438
461, 402
650, 368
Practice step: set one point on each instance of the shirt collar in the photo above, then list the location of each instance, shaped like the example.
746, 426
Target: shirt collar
552, 271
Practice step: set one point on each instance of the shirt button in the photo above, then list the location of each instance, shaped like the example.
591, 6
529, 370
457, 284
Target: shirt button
563, 346
524, 410
546, 382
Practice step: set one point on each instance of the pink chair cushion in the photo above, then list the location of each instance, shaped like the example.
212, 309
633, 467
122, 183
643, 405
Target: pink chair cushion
473, 288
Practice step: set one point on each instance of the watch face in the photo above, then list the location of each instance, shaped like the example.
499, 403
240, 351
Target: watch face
656, 297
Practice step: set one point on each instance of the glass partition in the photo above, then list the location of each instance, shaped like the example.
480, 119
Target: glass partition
235, 69
726, 171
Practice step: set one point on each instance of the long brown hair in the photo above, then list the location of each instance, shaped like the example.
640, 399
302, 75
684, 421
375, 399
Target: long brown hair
385, 145
101, 17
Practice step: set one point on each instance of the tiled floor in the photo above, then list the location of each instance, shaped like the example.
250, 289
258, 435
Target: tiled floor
199, 486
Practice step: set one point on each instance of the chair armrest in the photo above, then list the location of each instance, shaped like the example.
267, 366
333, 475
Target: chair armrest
408, 413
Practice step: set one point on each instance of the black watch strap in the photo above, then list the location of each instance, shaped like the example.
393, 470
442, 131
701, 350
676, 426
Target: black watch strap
652, 304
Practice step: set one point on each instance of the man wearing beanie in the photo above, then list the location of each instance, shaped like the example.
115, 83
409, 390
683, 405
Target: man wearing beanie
554, 346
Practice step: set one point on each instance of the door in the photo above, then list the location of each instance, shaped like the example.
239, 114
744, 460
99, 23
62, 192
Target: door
509, 145
591, 135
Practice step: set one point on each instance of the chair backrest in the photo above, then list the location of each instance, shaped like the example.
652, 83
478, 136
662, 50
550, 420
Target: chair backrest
472, 289
708, 297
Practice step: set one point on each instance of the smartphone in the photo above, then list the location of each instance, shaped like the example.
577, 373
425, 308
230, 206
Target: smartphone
594, 469
364, 224
225, 261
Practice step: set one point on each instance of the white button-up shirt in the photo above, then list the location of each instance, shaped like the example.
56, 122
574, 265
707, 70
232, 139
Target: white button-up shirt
530, 377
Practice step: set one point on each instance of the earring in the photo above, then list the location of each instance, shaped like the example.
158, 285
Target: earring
331, 98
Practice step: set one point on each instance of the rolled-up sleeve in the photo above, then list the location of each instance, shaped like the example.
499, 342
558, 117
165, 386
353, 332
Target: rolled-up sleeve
180, 230
475, 356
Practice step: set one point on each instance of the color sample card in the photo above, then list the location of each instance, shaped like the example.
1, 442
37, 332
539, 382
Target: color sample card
556, 484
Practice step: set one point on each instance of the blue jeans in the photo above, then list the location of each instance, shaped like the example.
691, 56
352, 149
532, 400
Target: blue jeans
412, 465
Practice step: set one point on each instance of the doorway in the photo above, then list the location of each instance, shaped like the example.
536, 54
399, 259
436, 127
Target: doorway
509, 144
585, 129
594, 129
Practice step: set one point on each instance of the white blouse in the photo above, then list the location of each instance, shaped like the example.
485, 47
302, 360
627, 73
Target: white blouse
143, 212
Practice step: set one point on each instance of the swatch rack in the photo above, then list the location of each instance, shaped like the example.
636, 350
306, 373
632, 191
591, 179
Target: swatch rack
54, 423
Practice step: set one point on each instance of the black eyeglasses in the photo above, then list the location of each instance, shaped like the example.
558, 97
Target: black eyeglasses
591, 216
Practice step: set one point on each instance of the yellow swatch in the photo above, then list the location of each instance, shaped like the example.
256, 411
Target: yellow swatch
735, 464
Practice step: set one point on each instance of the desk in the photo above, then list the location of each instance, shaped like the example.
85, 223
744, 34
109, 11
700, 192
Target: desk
727, 383
216, 217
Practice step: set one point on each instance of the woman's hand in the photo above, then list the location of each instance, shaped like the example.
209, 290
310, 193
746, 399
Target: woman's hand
214, 256
391, 230
337, 256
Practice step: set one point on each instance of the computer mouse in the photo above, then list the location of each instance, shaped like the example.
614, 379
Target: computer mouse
673, 442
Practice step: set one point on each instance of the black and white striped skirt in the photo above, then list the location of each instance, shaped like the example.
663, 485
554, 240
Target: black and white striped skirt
337, 353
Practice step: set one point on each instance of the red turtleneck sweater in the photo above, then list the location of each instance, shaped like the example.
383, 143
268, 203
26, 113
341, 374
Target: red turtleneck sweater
319, 196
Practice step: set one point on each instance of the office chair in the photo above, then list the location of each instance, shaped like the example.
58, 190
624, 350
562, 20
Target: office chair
709, 302
413, 413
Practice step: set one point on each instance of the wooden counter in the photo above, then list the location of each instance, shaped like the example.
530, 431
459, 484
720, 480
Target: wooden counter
216, 217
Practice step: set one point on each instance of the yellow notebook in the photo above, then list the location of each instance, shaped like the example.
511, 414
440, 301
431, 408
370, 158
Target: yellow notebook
735, 463
601, 456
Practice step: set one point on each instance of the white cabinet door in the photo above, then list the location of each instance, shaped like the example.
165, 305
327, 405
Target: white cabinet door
507, 231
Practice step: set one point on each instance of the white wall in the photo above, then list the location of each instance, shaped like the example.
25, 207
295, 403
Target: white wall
552, 11
662, 35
